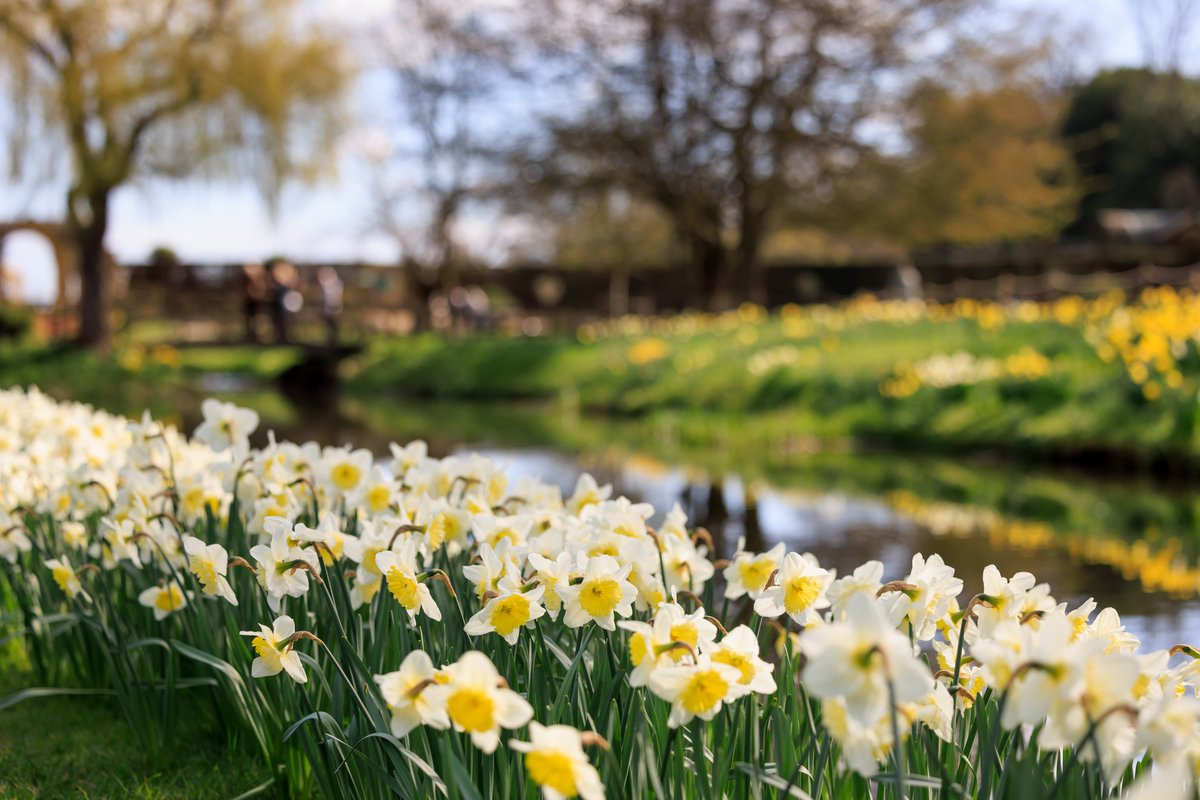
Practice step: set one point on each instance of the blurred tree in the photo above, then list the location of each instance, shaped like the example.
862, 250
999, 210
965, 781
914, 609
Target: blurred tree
978, 157
615, 233
1164, 30
1135, 134
160, 88
440, 157
717, 111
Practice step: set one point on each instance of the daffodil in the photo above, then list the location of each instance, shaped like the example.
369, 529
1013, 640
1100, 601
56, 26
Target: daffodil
13, 541
798, 591
342, 470
697, 689
553, 575
399, 570
747, 573
413, 695
587, 493
274, 649
283, 568
739, 649
478, 702
555, 761
226, 426
864, 661
164, 600
604, 591
66, 578
209, 564
508, 612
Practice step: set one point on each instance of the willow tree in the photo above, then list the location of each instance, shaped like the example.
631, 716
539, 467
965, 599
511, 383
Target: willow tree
139, 89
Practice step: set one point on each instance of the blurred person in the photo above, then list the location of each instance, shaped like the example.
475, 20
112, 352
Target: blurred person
331, 301
285, 300
255, 292
479, 309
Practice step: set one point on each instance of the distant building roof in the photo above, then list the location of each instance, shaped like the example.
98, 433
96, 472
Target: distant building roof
1148, 226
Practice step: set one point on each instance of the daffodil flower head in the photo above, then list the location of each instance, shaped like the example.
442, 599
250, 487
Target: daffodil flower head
478, 703
555, 761
274, 650
604, 591
65, 577
863, 660
508, 612
164, 600
413, 695
226, 426
739, 649
747, 573
399, 571
798, 591
209, 564
696, 689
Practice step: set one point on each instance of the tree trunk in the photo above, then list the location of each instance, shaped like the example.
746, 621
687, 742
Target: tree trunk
618, 291
751, 277
710, 260
89, 229
417, 292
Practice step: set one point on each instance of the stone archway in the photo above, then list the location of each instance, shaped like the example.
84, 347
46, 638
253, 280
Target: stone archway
58, 234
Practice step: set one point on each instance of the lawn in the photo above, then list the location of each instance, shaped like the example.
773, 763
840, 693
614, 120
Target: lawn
52, 747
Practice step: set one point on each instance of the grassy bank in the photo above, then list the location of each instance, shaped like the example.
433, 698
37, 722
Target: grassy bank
1107, 383
1071, 379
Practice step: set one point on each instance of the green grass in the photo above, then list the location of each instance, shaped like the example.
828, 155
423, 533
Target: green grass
57, 747
829, 387
826, 382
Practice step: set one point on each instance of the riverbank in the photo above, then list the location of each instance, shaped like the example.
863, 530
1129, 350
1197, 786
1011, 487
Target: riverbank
1101, 384
1104, 385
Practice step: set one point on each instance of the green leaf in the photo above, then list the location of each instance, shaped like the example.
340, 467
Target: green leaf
773, 780
49, 691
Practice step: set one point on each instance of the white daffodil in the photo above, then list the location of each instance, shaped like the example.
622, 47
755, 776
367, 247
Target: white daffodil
209, 564
65, 577
478, 703
739, 649
555, 761
282, 568
343, 470
747, 573
798, 591
399, 569
413, 695
13, 541
603, 591
685, 566
681, 628
587, 493
328, 538
274, 648
866, 579
164, 600
493, 565
924, 596
856, 660
492, 529
116, 544
696, 689
508, 612
552, 576
226, 426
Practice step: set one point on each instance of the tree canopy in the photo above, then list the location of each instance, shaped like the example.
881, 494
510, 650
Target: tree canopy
162, 88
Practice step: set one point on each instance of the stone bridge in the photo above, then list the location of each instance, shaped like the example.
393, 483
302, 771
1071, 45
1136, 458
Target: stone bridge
58, 235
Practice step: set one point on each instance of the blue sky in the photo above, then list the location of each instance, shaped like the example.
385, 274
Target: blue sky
210, 221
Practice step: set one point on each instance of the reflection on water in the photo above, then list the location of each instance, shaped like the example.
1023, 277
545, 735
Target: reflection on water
1134, 547
843, 531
